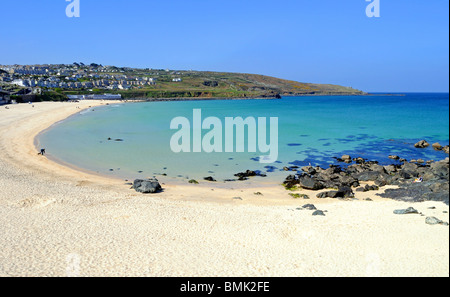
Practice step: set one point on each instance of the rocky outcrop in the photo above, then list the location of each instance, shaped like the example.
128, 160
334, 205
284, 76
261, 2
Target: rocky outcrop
416, 182
310, 183
432, 183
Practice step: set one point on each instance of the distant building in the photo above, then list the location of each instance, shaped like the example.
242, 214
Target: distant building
124, 87
20, 83
29, 70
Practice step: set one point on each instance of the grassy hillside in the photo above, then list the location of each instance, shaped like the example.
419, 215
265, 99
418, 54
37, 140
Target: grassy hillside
196, 84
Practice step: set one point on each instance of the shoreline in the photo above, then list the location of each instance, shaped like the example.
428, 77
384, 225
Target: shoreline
178, 99
49, 211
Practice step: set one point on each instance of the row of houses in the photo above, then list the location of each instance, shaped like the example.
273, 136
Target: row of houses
95, 97
27, 70
101, 84
77, 76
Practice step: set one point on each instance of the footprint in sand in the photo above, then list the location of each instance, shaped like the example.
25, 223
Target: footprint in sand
36, 202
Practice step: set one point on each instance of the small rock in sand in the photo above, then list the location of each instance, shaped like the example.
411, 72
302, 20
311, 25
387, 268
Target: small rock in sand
310, 207
318, 213
433, 221
409, 210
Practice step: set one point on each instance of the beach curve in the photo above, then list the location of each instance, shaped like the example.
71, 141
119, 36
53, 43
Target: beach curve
50, 211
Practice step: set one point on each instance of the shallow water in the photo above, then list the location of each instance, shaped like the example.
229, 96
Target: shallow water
312, 130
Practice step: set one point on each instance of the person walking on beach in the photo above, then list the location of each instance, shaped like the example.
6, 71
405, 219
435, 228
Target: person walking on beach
42, 152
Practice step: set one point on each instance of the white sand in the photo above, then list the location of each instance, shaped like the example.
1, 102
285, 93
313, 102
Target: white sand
56, 221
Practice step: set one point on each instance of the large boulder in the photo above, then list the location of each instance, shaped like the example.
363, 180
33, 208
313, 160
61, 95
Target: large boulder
440, 169
409, 170
147, 186
437, 146
310, 183
368, 176
422, 144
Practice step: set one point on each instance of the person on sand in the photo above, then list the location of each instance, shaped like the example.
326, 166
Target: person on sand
42, 152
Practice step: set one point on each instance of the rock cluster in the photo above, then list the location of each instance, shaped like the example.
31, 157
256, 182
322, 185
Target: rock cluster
249, 173
417, 182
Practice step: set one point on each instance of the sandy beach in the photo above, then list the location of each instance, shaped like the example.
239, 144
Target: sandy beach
59, 221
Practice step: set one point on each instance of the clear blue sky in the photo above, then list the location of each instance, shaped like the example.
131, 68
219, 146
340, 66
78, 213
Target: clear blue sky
320, 41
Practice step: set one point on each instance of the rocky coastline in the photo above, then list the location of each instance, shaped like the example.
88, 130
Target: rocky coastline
416, 180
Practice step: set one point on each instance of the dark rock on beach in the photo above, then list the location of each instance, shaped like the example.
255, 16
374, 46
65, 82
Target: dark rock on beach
310, 183
249, 173
406, 211
435, 221
368, 188
343, 192
210, 178
310, 207
318, 213
147, 186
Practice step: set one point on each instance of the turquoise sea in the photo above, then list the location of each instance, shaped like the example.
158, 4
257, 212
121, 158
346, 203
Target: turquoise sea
312, 130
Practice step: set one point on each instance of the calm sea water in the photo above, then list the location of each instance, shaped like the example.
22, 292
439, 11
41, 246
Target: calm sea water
312, 130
